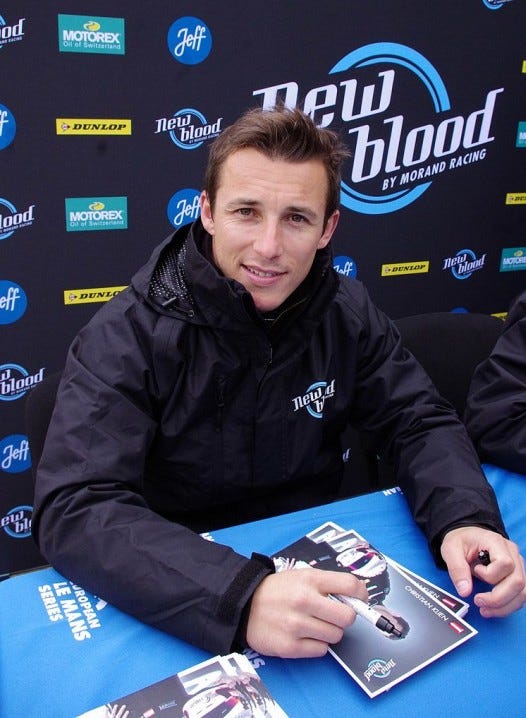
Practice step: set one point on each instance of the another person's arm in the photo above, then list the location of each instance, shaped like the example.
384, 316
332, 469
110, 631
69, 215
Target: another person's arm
496, 407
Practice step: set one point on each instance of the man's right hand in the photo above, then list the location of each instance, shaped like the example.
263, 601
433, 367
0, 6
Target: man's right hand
292, 616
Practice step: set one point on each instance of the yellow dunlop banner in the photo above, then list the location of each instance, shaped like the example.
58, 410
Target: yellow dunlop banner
84, 126
94, 294
391, 270
516, 198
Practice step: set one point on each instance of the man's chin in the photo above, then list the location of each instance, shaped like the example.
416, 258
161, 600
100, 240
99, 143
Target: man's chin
266, 308
266, 303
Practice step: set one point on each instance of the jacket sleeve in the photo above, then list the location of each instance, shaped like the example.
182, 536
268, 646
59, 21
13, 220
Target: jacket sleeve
496, 407
419, 434
91, 521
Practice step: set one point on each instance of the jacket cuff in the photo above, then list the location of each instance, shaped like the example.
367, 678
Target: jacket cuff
246, 581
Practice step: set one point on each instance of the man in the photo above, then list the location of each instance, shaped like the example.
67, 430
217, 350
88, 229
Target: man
496, 405
215, 389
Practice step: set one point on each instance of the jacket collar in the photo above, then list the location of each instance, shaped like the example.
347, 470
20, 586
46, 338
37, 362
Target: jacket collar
180, 278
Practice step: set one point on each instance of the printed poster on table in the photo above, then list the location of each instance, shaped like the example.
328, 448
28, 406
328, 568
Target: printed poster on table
425, 626
222, 686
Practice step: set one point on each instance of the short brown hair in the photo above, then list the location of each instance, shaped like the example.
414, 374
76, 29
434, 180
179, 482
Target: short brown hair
280, 133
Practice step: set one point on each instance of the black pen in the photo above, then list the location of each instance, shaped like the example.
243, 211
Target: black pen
483, 557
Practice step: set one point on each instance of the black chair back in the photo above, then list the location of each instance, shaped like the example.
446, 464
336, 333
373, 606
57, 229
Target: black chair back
449, 346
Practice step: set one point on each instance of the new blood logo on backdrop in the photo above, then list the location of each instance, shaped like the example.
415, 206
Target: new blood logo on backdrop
402, 129
188, 128
11, 32
15, 381
17, 522
11, 219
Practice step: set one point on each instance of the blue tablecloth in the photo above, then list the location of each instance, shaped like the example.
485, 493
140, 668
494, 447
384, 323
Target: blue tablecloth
59, 668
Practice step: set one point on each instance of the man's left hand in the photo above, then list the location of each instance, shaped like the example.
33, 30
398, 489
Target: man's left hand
505, 570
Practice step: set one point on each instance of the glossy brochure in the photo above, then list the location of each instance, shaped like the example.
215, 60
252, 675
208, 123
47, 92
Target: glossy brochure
424, 628
220, 686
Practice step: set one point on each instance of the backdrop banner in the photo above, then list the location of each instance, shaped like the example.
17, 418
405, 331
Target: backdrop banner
107, 111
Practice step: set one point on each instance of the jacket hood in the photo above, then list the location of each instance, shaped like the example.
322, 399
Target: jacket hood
161, 280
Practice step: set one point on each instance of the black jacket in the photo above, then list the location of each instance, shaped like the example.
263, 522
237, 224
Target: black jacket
496, 406
179, 411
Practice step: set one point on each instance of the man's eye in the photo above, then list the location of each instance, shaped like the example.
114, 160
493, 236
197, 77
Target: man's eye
245, 211
297, 218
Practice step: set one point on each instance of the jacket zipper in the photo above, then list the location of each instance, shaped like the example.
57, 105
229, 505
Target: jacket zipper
220, 403
268, 365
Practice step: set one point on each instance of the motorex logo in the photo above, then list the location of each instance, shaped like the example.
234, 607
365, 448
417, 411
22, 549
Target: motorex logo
391, 101
521, 135
11, 219
513, 259
189, 128
7, 127
464, 263
14, 454
345, 265
85, 214
315, 397
189, 40
17, 522
183, 207
83, 33
13, 302
15, 381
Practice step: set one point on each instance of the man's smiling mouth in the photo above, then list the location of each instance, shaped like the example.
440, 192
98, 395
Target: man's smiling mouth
261, 273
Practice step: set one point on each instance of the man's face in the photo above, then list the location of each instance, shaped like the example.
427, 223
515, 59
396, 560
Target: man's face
268, 223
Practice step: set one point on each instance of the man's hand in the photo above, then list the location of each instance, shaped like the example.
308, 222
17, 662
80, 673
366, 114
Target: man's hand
505, 571
292, 616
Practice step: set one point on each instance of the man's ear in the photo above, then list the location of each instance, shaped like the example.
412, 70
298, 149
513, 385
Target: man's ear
330, 226
206, 213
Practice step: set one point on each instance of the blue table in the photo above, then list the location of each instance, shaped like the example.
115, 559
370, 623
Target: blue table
60, 668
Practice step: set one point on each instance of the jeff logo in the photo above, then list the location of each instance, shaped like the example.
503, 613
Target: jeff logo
314, 398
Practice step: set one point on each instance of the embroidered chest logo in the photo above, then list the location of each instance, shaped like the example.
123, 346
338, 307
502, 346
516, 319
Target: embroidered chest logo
315, 397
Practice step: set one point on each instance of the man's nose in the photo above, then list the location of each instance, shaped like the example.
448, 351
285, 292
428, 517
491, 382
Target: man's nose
269, 241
